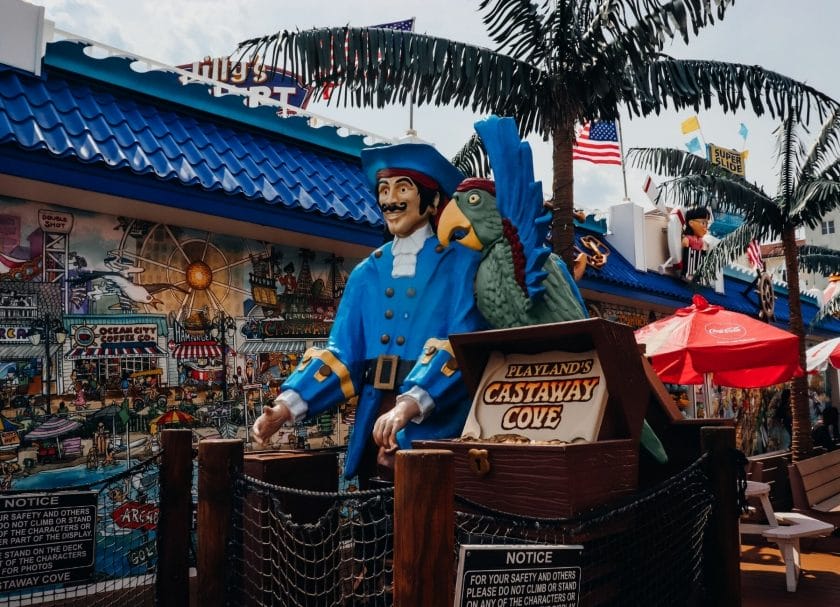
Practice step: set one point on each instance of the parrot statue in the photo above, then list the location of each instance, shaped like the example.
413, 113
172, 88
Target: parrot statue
519, 281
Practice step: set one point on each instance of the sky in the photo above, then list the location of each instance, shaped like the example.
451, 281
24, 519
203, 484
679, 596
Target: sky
797, 39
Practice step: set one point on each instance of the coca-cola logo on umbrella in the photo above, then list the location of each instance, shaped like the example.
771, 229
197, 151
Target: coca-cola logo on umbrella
726, 332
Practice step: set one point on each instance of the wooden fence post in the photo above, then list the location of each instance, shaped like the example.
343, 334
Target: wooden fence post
172, 585
721, 554
424, 528
219, 462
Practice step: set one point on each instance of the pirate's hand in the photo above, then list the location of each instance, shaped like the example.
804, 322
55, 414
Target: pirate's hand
270, 421
386, 427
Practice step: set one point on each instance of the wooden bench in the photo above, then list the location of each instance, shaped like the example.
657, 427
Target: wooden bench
815, 485
793, 526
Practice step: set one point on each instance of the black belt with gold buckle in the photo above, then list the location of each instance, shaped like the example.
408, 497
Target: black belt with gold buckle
387, 371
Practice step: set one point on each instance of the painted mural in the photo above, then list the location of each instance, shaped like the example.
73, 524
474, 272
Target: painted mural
112, 329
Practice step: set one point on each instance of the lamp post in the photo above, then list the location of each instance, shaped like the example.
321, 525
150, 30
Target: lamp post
222, 325
47, 329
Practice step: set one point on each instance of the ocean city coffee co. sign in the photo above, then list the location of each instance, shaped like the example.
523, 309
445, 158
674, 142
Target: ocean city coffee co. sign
98, 335
260, 79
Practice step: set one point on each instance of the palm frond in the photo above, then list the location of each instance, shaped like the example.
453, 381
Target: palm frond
824, 149
378, 67
649, 24
472, 159
721, 193
727, 250
669, 162
693, 84
698, 182
815, 199
517, 28
819, 260
790, 153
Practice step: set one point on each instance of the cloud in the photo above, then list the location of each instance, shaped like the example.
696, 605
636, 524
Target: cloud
186, 30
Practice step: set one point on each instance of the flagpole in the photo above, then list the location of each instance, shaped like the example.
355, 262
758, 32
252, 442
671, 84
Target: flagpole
621, 151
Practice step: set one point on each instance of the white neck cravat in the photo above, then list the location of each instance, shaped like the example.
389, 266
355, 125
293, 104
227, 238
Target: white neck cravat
405, 251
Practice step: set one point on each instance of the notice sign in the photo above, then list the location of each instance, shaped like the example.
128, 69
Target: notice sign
46, 539
518, 576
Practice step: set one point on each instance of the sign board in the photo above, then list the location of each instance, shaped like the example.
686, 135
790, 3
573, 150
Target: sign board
518, 575
55, 222
14, 334
551, 397
264, 80
99, 335
46, 538
731, 160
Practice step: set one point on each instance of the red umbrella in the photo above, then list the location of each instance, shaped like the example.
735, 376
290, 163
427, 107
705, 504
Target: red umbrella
818, 357
704, 339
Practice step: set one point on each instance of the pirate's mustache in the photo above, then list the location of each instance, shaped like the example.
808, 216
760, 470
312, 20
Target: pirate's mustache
397, 206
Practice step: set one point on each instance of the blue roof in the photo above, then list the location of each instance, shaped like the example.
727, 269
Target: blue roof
619, 277
106, 127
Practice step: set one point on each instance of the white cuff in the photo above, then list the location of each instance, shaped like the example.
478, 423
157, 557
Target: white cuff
424, 400
294, 403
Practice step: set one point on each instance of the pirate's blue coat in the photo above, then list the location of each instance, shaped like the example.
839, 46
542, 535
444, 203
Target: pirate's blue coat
378, 315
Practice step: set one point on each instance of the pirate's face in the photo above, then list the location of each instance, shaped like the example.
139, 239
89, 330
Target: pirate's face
399, 200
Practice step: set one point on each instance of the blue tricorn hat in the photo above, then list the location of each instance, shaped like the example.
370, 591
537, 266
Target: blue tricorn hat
419, 157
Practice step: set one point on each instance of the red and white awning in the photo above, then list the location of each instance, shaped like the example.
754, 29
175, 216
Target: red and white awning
191, 350
137, 350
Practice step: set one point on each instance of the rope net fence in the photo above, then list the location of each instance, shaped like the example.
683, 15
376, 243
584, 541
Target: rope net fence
104, 550
337, 548
644, 552
336, 551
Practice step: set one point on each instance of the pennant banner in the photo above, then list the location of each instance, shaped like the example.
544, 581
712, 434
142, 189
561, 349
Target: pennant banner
690, 124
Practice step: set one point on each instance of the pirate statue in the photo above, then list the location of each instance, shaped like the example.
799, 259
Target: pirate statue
389, 343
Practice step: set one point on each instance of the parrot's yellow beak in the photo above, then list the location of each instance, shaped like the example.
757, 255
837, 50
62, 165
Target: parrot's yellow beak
454, 225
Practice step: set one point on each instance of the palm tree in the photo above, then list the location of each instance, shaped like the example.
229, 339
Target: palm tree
554, 65
809, 187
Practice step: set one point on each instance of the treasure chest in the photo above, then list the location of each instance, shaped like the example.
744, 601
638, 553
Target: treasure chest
556, 417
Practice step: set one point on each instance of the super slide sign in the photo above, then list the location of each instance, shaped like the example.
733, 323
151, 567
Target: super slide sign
46, 539
518, 576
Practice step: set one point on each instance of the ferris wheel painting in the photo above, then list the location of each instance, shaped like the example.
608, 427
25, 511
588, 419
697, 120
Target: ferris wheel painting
204, 269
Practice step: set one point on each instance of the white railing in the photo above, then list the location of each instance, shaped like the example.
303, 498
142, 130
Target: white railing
140, 64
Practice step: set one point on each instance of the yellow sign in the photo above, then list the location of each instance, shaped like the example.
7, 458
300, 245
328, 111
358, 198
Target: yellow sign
731, 160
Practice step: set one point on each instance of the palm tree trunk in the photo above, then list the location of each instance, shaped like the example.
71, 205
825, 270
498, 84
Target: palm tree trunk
563, 196
801, 444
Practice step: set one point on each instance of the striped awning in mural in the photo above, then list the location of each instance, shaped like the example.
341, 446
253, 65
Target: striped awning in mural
22, 351
138, 350
52, 428
192, 350
285, 346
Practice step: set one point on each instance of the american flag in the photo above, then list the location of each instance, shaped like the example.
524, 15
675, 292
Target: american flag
754, 256
597, 142
406, 25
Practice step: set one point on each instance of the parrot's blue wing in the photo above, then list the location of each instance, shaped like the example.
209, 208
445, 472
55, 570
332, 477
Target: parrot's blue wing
518, 197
